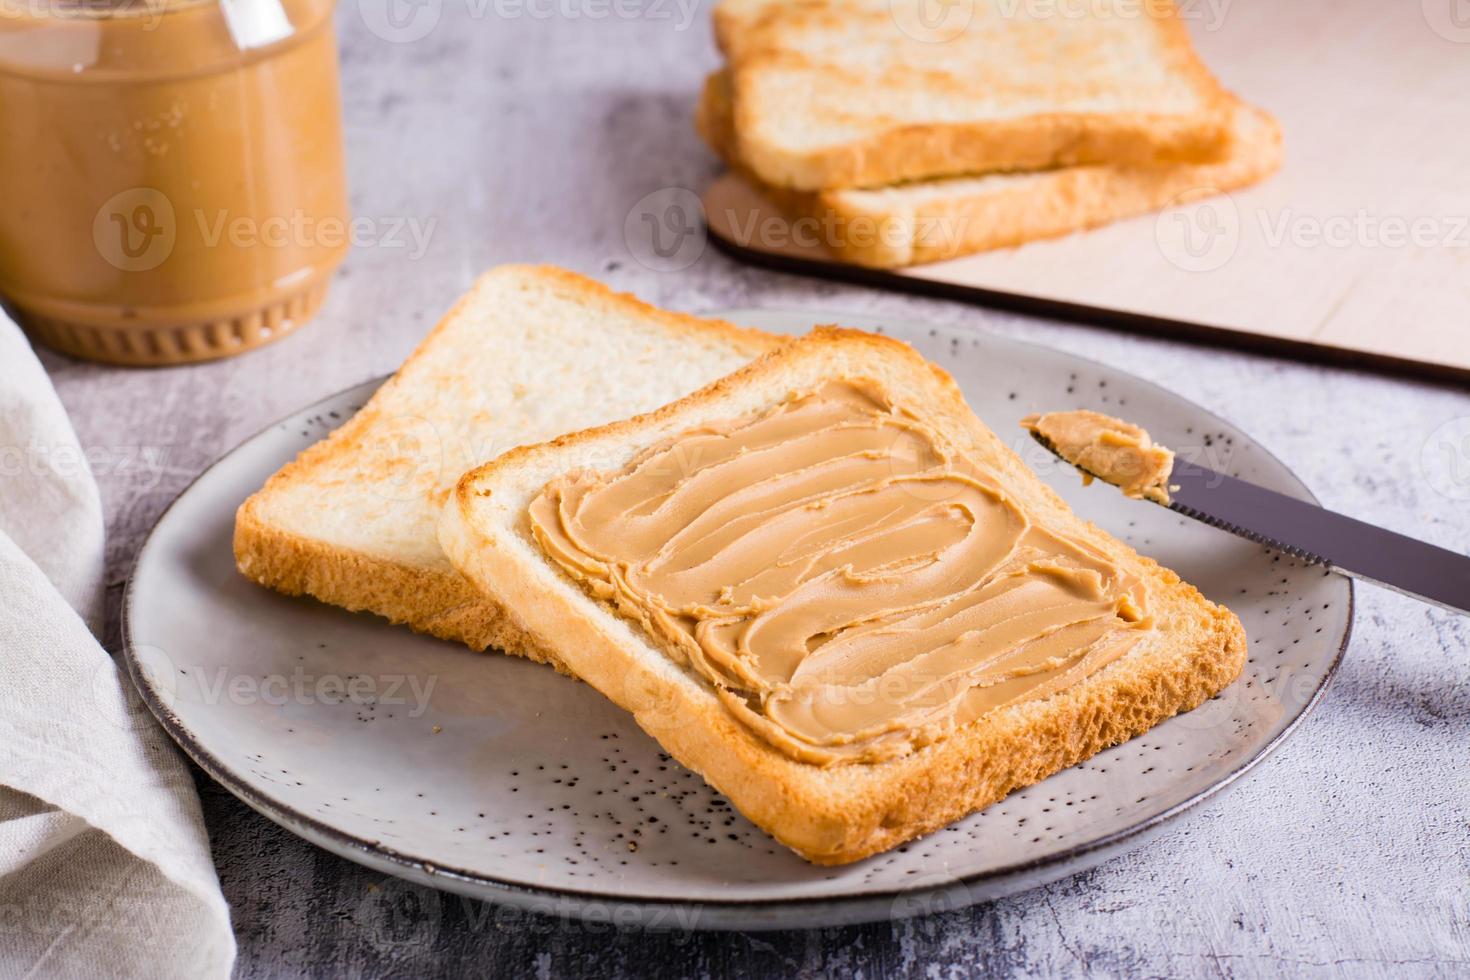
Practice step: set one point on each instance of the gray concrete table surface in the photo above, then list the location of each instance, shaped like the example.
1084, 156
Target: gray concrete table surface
526, 131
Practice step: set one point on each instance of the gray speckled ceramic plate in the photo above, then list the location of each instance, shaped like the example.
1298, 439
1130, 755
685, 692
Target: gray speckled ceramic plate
495, 777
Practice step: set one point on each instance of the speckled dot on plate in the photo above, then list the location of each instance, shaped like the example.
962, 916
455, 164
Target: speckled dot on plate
496, 777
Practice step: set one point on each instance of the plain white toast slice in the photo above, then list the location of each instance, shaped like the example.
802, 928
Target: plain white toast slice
530, 352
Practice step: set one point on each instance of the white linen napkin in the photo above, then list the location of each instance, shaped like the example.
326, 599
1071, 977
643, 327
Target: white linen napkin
104, 861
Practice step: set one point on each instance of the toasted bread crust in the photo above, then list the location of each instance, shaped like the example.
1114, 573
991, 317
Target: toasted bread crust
842, 814
432, 599
904, 150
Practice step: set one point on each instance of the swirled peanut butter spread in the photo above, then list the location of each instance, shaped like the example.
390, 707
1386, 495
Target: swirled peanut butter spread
851, 586
1110, 449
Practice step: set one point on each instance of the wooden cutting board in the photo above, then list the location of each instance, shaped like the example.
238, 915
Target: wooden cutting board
1357, 251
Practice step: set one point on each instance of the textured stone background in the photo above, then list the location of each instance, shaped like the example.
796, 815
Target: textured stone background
525, 134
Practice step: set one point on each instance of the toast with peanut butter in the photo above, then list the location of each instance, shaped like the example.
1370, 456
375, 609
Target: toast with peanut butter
866, 93
826, 586
933, 220
530, 352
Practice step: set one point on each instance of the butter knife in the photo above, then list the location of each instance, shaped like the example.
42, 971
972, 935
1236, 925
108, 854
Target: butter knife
1317, 535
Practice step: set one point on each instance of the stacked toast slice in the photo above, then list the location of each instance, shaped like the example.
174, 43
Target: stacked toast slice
915, 131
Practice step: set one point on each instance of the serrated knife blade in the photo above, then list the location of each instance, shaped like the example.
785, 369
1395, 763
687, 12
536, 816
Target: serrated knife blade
1318, 535
1315, 534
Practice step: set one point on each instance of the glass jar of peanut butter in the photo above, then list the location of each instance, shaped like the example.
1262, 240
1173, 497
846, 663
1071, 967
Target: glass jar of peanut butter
171, 176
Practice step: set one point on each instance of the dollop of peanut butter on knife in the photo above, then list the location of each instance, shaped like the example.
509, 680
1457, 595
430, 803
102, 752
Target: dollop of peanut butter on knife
1109, 449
